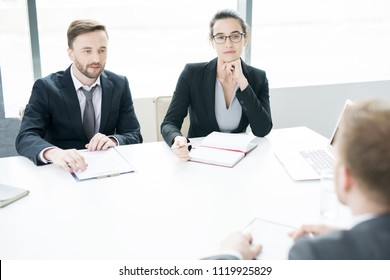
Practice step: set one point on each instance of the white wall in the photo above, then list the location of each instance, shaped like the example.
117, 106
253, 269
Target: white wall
316, 107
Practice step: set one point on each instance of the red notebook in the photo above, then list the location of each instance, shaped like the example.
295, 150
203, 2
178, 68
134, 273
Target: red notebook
224, 149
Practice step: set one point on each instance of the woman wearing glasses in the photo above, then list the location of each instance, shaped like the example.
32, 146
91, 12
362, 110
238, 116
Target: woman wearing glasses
224, 94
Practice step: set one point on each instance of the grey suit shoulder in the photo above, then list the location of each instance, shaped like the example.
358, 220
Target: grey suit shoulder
369, 240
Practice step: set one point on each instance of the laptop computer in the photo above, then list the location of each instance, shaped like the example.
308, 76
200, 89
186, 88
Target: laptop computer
309, 164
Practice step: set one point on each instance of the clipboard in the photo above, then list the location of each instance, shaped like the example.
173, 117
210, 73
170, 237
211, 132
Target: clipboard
103, 164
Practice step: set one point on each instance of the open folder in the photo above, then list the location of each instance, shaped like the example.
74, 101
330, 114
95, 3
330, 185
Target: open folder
102, 164
224, 149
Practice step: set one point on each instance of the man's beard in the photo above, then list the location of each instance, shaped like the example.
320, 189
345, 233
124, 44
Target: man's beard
84, 70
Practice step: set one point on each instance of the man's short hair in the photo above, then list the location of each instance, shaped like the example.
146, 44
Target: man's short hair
82, 26
364, 146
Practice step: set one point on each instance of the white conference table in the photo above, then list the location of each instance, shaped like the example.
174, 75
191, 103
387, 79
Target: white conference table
167, 209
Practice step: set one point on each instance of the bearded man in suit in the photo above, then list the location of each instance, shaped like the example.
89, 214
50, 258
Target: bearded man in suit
52, 128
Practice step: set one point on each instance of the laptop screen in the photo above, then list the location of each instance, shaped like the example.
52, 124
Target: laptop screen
345, 108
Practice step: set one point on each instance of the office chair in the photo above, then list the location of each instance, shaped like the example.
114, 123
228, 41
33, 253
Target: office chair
9, 128
162, 105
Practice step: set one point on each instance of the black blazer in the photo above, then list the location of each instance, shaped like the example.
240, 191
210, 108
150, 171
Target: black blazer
369, 240
53, 116
195, 92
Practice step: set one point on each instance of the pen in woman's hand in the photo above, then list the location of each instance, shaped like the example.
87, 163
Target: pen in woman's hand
188, 145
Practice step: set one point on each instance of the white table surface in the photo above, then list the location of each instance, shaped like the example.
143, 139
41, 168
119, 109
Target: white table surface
167, 209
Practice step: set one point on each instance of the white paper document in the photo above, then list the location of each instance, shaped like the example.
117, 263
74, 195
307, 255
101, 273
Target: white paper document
101, 164
273, 237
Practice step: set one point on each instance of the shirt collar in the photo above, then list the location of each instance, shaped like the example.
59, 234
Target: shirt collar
78, 84
355, 220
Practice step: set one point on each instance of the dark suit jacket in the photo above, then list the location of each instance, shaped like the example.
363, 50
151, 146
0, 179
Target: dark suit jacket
195, 92
53, 116
369, 240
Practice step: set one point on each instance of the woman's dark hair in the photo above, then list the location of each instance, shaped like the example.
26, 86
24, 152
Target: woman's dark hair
225, 14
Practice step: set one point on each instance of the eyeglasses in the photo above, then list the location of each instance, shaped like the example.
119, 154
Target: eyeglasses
234, 38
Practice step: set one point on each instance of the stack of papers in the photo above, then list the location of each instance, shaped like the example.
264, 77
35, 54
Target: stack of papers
224, 149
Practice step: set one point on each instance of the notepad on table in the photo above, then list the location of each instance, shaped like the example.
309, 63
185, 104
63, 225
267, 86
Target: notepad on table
224, 149
102, 164
9, 194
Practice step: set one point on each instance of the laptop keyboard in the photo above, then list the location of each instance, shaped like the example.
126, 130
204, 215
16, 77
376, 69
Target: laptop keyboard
320, 160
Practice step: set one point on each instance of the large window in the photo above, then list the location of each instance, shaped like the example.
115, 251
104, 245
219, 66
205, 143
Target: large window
15, 55
298, 43
314, 42
150, 41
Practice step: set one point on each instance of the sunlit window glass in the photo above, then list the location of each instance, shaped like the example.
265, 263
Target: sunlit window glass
150, 41
15, 56
313, 42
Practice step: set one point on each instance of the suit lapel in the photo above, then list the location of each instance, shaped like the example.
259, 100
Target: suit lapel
245, 70
71, 102
107, 92
243, 120
209, 91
